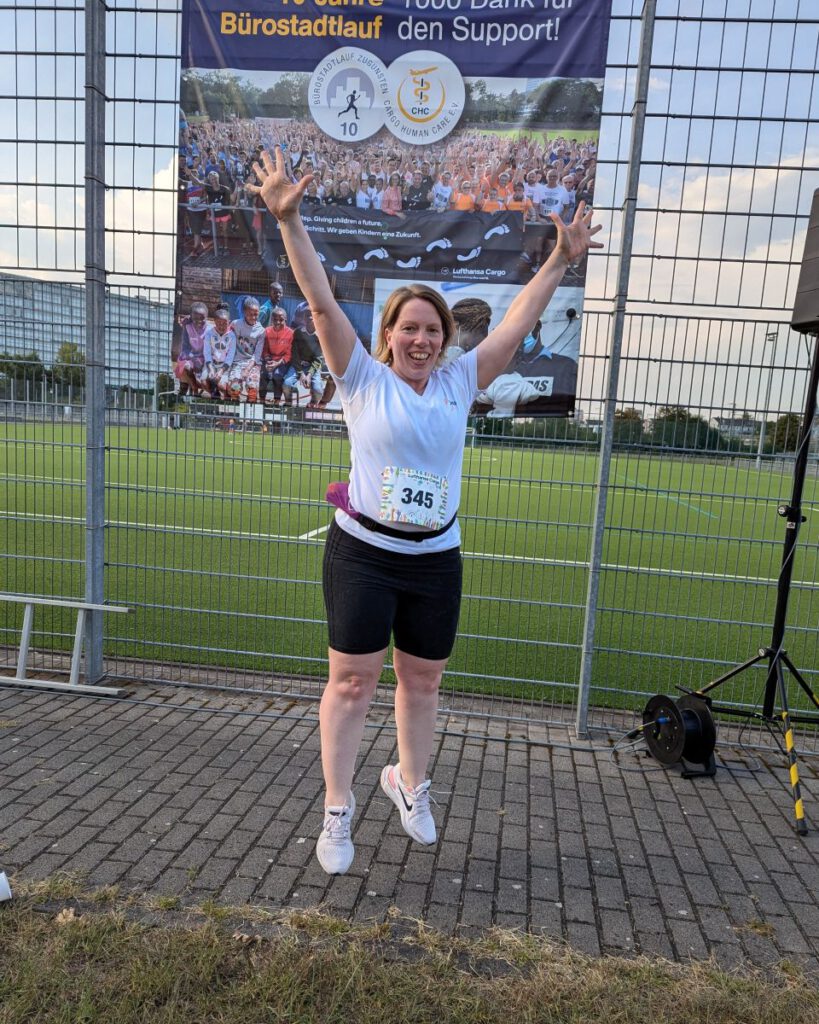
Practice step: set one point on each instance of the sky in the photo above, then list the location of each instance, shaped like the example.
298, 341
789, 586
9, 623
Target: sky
726, 193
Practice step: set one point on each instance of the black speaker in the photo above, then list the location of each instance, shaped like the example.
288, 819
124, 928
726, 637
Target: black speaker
806, 307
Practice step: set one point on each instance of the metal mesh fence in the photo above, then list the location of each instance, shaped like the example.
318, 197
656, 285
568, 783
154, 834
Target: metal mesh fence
214, 521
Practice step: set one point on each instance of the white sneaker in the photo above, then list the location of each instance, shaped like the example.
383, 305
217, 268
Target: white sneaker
334, 848
413, 805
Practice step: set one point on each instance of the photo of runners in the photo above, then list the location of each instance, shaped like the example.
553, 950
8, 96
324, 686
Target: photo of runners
471, 210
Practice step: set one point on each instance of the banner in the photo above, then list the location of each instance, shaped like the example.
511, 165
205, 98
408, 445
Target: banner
440, 134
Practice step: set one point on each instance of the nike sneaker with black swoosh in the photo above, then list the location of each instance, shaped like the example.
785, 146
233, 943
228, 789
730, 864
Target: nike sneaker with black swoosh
412, 804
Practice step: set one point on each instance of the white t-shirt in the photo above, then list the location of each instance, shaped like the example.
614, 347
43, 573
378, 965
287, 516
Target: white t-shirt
406, 446
534, 193
441, 195
552, 200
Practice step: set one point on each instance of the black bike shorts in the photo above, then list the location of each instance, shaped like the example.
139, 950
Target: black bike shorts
370, 593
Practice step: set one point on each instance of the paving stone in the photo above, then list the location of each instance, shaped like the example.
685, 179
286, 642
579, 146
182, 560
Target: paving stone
655, 944
483, 846
343, 892
609, 892
615, 929
443, 916
578, 905
480, 874
583, 937
689, 942
532, 837
547, 918
477, 909
278, 882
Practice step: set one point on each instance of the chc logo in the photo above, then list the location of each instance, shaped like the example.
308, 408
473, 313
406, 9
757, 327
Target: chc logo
422, 95
425, 98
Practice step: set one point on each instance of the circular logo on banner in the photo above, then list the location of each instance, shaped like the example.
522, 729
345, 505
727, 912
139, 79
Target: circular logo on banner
346, 94
426, 97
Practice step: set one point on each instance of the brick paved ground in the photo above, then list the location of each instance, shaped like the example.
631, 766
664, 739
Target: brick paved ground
198, 801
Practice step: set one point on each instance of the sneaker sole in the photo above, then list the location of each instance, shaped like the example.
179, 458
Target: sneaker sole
399, 803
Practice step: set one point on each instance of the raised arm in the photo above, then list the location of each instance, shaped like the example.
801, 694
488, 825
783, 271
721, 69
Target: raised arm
573, 242
282, 198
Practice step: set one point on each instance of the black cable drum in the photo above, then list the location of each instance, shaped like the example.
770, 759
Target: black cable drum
679, 730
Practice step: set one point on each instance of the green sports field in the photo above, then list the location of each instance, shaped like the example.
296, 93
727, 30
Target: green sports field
216, 538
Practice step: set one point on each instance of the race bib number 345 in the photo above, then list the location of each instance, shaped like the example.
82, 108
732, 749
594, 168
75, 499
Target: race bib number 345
413, 496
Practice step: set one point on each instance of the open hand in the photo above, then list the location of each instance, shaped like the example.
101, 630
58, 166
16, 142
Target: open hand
574, 240
280, 195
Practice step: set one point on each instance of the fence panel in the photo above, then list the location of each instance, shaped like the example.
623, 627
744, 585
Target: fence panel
215, 518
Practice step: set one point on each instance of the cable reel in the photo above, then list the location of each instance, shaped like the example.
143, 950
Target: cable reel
681, 732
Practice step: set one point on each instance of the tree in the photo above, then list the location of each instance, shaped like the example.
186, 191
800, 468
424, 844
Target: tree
164, 391
569, 101
21, 371
219, 94
628, 426
287, 98
675, 427
69, 366
786, 433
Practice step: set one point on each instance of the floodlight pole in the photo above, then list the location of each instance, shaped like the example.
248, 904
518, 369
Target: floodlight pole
638, 118
94, 331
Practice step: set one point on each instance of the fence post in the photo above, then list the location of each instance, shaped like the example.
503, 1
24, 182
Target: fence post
94, 329
623, 271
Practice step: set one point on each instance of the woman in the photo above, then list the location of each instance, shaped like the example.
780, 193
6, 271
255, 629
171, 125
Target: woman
191, 359
311, 196
219, 199
392, 562
219, 352
196, 207
392, 199
465, 200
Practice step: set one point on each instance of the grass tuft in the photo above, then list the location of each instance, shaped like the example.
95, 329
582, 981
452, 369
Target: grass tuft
763, 928
99, 964
62, 885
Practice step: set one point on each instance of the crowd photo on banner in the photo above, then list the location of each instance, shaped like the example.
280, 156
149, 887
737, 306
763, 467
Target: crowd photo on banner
469, 215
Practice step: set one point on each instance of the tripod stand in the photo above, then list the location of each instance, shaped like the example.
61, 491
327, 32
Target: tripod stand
776, 654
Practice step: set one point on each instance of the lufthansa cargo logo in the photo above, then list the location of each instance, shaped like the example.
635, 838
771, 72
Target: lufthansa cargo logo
425, 98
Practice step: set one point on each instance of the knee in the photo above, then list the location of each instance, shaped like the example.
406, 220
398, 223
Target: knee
354, 688
420, 684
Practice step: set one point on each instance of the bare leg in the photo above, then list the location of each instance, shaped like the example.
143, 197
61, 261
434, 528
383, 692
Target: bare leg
416, 708
352, 683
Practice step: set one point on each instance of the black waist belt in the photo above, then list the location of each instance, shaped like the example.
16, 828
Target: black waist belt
389, 531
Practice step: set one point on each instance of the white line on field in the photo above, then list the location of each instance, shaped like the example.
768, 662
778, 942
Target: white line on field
314, 533
685, 573
231, 534
215, 495
670, 497
486, 555
218, 495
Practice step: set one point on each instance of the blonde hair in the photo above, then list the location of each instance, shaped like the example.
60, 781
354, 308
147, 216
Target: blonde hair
392, 310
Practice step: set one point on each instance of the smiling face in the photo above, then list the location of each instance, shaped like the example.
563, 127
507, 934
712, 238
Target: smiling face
414, 341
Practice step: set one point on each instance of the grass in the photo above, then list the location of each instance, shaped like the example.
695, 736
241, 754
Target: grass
216, 541
99, 962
